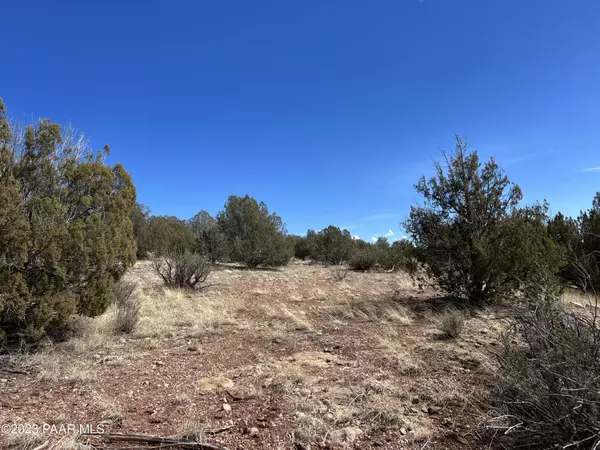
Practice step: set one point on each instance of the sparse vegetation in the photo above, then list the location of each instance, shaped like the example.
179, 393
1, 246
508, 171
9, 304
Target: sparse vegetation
451, 324
339, 273
265, 338
128, 307
548, 386
183, 270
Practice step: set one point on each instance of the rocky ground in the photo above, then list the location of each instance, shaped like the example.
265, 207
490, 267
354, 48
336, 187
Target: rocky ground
277, 359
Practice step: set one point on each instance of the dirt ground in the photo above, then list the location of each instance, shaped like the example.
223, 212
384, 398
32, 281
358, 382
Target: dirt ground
266, 359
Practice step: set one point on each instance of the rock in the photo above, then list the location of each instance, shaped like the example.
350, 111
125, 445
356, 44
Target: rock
402, 431
226, 407
253, 432
276, 341
159, 363
446, 421
240, 393
192, 348
3, 380
345, 436
434, 409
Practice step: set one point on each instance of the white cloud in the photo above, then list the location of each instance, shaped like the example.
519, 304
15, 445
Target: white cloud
382, 214
591, 169
356, 237
386, 235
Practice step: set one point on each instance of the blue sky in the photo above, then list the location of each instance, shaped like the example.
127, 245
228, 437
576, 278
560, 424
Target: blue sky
329, 111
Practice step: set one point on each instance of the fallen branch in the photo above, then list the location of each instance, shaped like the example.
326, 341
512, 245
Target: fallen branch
150, 439
218, 430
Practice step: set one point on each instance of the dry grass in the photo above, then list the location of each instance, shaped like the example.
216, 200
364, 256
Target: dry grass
167, 312
73, 361
329, 355
382, 310
451, 324
109, 411
33, 441
339, 273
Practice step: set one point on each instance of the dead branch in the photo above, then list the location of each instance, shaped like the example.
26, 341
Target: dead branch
163, 440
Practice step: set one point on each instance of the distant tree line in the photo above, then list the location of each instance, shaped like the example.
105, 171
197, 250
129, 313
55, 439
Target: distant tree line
246, 232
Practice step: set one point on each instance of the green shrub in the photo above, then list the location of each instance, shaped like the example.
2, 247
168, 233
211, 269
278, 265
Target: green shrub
548, 390
365, 258
211, 242
254, 236
140, 218
300, 246
67, 234
579, 240
167, 234
183, 270
398, 256
470, 235
330, 245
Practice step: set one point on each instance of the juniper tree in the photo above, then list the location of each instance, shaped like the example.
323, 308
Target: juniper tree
470, 233
66, 231
254, 236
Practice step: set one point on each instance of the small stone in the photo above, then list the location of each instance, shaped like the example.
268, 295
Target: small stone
434, 409
345, 436
3, 380
402, 431
192, 348
226, 407
276, 341
253, 432
446, 421
159, 363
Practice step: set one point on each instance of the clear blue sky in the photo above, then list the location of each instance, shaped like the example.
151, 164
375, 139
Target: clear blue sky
329, 111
